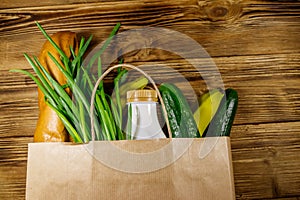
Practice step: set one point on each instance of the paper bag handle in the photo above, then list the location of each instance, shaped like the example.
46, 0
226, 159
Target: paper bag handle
146, 75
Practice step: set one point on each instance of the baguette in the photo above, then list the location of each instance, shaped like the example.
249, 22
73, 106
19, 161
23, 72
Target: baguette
49, 127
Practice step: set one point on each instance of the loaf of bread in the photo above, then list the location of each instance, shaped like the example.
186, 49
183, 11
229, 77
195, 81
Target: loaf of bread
49, 126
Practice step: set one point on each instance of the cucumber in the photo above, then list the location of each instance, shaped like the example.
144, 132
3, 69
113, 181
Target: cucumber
221, 123
179, 113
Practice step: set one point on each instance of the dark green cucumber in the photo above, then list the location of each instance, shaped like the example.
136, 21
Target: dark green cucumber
180, 115
222, 121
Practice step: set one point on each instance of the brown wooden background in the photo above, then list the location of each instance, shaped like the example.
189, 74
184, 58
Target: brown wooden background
255, 44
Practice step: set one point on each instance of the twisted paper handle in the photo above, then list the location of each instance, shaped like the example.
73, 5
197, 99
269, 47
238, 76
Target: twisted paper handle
146, 75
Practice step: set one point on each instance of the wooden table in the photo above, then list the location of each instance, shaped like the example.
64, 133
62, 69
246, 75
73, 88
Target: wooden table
255, 44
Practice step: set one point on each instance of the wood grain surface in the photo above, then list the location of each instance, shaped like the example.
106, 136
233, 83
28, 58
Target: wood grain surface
254, 43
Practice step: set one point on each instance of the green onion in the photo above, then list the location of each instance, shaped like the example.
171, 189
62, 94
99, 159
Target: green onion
117, 94
61, 53
67, 124
129, 123
74, 111
106, 43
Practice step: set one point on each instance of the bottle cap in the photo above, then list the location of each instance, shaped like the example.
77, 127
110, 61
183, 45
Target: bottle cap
141, 96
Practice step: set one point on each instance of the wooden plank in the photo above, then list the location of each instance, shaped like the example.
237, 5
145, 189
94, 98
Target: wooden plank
291, 198
266, 160
23, 4
13, 162
26, 3
13, 181
267, 85
275, 32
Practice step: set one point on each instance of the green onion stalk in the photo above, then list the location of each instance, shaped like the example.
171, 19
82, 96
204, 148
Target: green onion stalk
74, 111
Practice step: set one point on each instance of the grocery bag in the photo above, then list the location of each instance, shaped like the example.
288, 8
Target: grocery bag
138, 169
169, 168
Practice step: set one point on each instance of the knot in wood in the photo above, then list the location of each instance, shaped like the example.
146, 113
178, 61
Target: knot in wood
218, 12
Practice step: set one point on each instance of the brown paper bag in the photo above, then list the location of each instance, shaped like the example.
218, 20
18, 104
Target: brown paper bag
178, 168
140, 169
